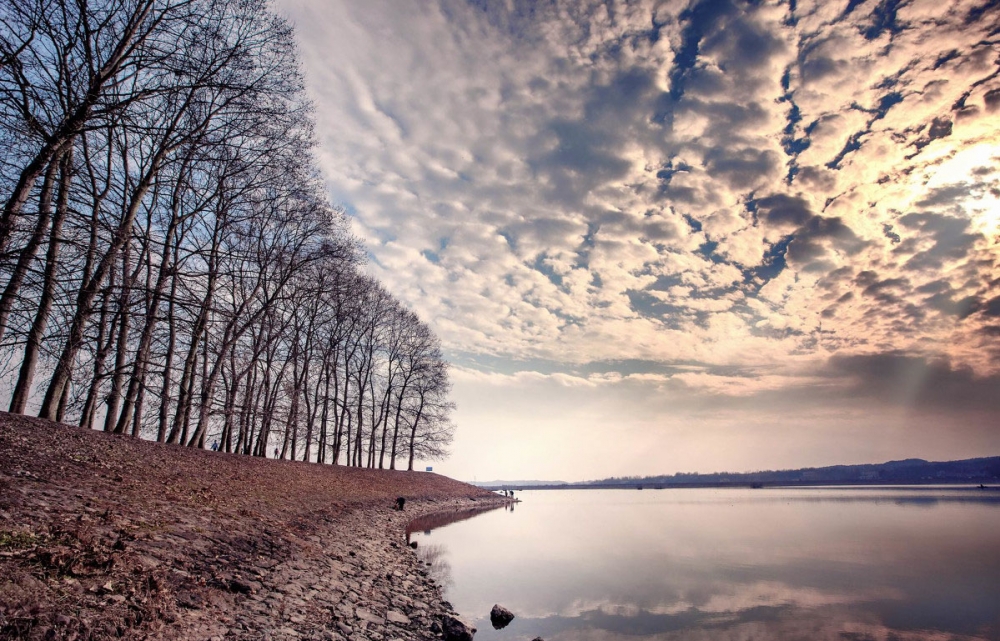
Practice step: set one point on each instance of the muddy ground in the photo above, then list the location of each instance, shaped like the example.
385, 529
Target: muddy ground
108, 537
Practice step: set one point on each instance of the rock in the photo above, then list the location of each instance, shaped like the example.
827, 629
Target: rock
397, 617
538, 639
242, 586
455, 630
500, 617
369, 617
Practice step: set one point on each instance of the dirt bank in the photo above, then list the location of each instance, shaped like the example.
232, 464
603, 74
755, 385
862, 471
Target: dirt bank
106, 537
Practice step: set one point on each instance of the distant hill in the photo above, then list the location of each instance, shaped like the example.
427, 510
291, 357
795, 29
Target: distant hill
493, 485
906, 472
977, 470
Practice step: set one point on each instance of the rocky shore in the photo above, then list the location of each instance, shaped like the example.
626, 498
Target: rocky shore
372, 586
107, 537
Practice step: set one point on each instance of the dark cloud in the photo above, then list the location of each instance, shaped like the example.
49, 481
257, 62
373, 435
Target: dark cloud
814, 66
585, 153
890, 234
945, 196
887, 290
945, 303
915, 381
782, 210
992, 307
819, 178
835, 279
812, 234
539, 232
742, 168
650, 226
834, 229
952, 241
584, 149
672, 316
728, 117
992, 99
742, 47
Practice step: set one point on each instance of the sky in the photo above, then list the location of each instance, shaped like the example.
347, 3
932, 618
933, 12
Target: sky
660, 237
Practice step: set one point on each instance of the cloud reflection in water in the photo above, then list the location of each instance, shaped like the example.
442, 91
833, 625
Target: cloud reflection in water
733, 564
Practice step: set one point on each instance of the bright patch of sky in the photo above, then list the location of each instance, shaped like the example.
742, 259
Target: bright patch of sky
676, 236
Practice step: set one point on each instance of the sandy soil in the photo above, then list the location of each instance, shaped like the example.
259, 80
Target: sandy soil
105, 537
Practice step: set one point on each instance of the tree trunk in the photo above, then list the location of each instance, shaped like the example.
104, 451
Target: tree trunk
395, 426
413, 432
27, 255
121, 352
26, 374
161, 429
104, 340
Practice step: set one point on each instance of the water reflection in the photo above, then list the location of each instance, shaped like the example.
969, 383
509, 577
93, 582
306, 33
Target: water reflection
436, 520
435, 557
732, 564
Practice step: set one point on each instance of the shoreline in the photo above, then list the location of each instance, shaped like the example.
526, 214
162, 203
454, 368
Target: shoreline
106, 536
370, 586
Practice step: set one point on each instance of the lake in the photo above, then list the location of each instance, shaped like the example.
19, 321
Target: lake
800, 563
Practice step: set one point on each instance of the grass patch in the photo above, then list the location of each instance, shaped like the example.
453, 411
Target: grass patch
14, 540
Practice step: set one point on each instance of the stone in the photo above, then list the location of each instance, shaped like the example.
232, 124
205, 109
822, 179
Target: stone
397, 617
455, 630
243, 586
500, 617
370, 617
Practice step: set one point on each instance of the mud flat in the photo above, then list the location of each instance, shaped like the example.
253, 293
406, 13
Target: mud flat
107, 537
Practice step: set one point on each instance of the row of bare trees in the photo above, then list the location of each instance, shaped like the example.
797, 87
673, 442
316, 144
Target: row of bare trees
169, 265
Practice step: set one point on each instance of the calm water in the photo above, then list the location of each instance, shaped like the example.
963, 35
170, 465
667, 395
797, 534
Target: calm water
818, 563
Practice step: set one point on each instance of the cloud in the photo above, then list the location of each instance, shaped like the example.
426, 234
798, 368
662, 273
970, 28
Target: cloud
705, 184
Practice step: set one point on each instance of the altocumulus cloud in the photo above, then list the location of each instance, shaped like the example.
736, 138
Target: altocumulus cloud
773, 213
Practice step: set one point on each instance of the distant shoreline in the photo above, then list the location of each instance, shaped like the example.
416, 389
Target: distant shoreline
969, 485
909, 472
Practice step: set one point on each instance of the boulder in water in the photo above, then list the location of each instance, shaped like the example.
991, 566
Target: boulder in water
500, 617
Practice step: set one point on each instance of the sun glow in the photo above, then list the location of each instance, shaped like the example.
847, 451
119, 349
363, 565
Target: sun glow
974, 168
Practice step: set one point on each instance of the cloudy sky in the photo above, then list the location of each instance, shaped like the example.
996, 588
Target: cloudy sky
692, 235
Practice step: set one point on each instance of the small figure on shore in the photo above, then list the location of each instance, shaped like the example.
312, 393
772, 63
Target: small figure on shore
275, 452
400, 502
215, 446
